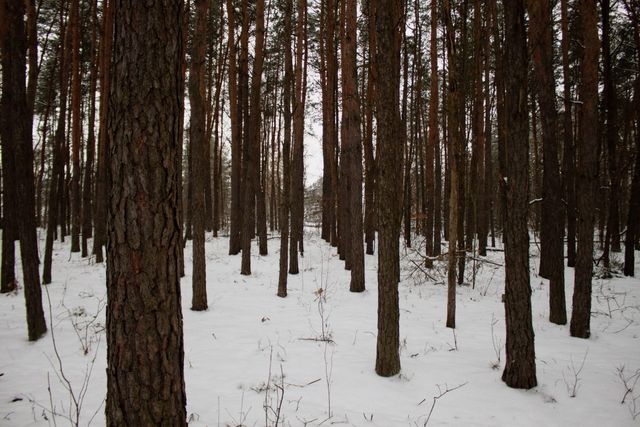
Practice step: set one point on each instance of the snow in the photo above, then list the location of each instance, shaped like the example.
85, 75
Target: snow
249, 333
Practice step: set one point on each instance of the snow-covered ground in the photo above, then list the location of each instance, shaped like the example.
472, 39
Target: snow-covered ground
250, 347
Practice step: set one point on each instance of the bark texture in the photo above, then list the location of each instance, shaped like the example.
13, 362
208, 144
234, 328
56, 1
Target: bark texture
145, 380
520, 366
587, 170
17, 145
388, 33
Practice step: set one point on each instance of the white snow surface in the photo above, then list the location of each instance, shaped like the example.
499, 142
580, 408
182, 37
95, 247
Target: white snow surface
237, 351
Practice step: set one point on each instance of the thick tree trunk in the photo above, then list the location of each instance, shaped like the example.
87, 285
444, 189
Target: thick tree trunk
587, 170
145, 351
520, 365
551, 231
17, 145
389, 25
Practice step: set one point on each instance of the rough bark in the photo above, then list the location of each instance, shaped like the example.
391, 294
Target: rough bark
100, 198
286, 155
634, 199
55, 193
587, 170
76, 125
520, 366
551, 231
352, 145
17, 145
235, 217
569, 162
199, 154
87, 187
297, 160
145, 351
389, 25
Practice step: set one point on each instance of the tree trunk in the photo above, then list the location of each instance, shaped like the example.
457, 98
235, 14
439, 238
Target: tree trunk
286, 155
569, 162
551, 231
389, 25
520, 364
17, 145
55, 193
352, 144
612, 239
297, 160
76, 125
634, 199
369, 159
235, 217
87, 188
199, 153
587, 170
145, 352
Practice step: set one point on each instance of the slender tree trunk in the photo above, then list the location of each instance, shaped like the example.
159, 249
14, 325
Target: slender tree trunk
432, 142
456, 164
235, 217
252, 151
286, 155
520, 365
352, 144
87, 188
612, 239
55, 189
587, 170
145, 352
76, 125
17, 145
100, 199
297, 160
389, 25
199, 153
369, 159
634, 199
569, 162
551, 232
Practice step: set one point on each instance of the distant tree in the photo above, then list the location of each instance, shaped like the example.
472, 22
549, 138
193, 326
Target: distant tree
145, 349
389, 27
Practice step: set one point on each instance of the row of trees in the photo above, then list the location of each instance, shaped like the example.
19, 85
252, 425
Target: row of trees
460, 140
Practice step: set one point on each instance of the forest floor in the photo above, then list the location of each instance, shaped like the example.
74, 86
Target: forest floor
308, 359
